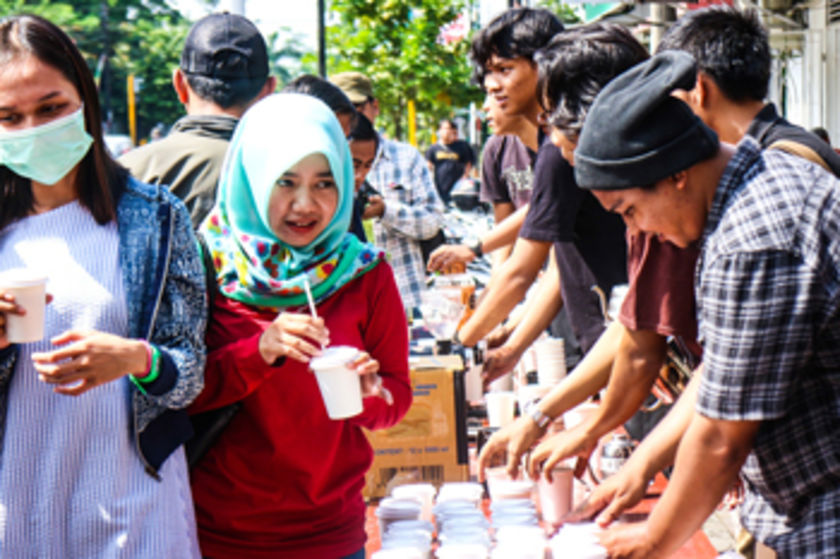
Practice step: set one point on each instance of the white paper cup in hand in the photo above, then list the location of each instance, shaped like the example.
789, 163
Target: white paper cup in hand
29, 290
340, 385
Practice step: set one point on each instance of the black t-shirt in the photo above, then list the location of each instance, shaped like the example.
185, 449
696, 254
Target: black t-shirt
589, 241
507, 171
768, 127
449, 162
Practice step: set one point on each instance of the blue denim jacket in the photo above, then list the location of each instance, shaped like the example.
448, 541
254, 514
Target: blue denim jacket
167, 305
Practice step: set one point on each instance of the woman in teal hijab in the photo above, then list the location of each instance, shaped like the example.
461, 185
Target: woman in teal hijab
284, 479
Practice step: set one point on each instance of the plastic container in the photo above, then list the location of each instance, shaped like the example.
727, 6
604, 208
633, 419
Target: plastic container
29, 289
340, 386
556, 496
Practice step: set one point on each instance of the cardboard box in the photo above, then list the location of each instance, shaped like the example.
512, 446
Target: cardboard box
430, 443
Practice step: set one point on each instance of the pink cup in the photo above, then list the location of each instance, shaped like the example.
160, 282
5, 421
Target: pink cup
556, 496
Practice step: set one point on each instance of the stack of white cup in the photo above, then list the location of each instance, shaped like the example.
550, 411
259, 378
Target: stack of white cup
551, 361
500, 408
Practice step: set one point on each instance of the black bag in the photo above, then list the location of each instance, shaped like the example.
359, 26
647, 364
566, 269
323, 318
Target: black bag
208, 426
427, 246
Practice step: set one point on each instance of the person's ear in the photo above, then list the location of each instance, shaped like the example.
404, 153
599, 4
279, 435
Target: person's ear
679, 180
179, 83
705, 90
375, 106
268, 88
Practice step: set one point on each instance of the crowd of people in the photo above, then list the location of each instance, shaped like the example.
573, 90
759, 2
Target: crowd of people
170, 409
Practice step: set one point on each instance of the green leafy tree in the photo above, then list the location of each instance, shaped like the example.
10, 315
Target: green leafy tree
118, 38
396, 43
563, 10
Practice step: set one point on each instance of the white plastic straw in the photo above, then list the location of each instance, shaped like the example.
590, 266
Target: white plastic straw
309, 297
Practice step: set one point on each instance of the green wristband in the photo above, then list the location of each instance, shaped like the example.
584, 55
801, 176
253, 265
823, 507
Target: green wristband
154, 372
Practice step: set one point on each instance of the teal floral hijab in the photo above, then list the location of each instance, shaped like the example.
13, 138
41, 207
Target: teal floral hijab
252, 265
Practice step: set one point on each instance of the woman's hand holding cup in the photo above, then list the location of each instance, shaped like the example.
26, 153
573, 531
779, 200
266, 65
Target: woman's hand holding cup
291, 335
368, 369
7, 306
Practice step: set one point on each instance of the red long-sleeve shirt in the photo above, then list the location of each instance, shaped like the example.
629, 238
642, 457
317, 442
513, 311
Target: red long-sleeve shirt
284, 480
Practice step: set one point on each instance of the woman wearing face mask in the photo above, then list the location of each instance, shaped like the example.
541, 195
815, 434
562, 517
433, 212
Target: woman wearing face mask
285, 480
92, 420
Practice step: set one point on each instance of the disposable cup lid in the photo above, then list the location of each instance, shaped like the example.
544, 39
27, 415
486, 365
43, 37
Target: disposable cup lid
334, 357
21, 277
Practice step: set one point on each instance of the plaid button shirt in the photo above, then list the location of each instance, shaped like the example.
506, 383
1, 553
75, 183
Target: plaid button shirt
413, 212
768, 294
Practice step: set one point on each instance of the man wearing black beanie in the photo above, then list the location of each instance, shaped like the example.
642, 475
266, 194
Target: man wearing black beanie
768, 296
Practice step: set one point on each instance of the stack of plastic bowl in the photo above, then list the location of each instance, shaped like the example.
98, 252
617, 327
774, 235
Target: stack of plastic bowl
513, 513
462, 551
519, 542
463, 531
409, 535
460, 491
397, 553
423, 493
393, 510
578, 540
461, 522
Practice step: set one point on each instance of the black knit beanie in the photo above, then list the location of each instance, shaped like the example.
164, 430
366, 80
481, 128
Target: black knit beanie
636, 133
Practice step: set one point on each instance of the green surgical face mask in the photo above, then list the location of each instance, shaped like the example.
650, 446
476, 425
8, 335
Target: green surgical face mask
46, 153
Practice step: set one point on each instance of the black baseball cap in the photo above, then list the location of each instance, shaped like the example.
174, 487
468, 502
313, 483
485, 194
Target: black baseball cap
225, 46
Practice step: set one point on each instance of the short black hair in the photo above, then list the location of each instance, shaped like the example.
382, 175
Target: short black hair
226, 93
729, 45
363, 131
821, 133
448, 121
576, 64
332, 96
515, 33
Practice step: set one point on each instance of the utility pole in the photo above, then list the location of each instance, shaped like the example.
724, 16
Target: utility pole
657, 23
322, 41
105, 76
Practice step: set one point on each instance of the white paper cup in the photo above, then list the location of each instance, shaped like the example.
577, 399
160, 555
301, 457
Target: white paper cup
340, 386
556, 496
472, 383
551, 361
29, 290
502, 384
499, 408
